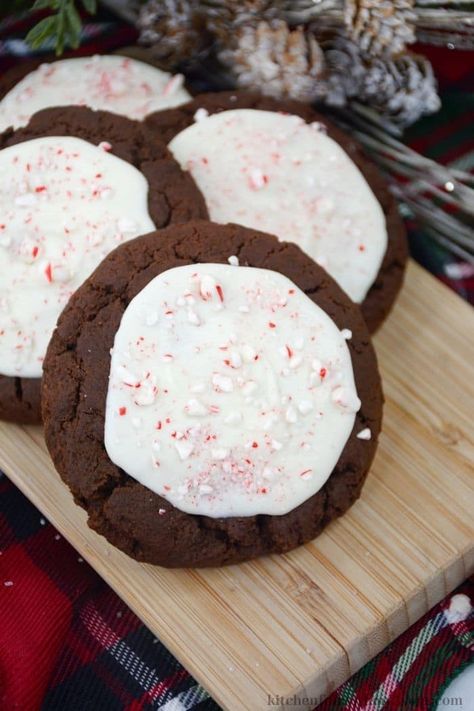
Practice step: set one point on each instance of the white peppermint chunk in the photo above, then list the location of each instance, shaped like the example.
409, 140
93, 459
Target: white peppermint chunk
195, 408
223, 383
184, 448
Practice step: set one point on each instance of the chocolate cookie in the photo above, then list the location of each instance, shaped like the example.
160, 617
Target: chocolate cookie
388, 268
172, 197
145, 525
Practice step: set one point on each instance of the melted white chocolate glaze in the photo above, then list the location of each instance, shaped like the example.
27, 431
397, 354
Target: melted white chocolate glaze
64, 205
231, 393
109, 83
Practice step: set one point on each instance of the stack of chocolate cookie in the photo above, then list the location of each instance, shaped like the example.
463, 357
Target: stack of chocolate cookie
186, 296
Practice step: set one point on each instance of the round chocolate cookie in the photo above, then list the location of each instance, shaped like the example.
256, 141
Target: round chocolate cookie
172, 197
77, 400
388, 279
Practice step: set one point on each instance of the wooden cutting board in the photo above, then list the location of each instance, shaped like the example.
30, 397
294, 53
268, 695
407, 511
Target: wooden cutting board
302, 623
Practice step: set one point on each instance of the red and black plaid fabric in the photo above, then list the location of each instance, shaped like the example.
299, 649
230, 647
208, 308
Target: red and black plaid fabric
68, 643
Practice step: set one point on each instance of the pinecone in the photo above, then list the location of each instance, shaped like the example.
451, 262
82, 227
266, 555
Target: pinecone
401, 88
404, 88
174, 29
276, 61
380, 27
225, 17
346, 70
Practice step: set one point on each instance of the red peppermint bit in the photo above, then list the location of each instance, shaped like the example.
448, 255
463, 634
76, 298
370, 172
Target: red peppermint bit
256, 357
122, 411
168, 313
271, 324
262, 490
49, 273
40, 189
28, 167
323, 372
266, 179
227, 362
291, 291
167, 488
59, 152
168, 420
173, 435
98, 175
255, 445
220, 293
158, 425
214, 408
306, 471
361, 248
289, 351
2, 227
204, 160
223, 348
249, 461
35, 251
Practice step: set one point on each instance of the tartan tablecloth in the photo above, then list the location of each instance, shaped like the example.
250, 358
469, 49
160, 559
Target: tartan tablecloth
68, 643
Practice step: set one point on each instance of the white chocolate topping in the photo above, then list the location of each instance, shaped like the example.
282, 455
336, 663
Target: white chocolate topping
64, 205
109, 83
276, 173
231, 393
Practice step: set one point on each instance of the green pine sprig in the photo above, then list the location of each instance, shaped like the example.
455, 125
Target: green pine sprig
64, 25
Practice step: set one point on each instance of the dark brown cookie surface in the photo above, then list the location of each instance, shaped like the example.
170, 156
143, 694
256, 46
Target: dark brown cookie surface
172, 198
384, 290
75, 385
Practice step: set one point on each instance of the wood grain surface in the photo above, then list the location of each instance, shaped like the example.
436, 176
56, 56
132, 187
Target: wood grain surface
303, 622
